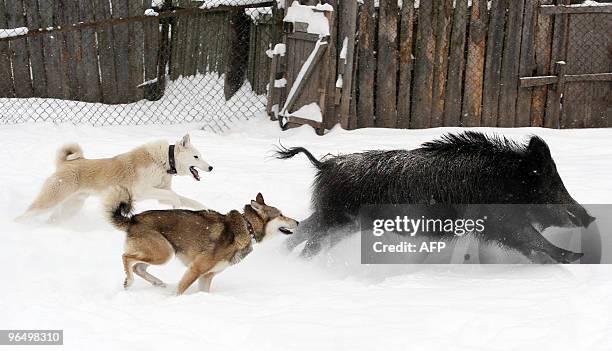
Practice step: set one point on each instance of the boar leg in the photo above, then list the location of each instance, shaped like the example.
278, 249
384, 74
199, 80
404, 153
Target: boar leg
533, 245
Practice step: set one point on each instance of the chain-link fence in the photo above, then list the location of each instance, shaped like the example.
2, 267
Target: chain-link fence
105, 62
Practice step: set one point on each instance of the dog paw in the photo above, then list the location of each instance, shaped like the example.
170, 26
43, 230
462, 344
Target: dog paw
159, 284
127, 283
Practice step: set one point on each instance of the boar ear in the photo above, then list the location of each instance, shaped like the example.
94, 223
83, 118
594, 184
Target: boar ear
185, 141
260, 199
257, 207
538, 148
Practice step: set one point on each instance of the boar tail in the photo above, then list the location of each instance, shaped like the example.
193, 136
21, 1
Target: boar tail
283, 153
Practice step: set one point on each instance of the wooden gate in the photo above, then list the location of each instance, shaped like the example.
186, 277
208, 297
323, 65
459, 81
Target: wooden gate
298, 87
579, 94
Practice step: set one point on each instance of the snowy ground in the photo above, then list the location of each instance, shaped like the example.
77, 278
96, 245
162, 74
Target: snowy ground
69, 276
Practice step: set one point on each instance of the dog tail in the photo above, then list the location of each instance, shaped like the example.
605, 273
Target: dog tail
283, 153
68, 152
119, 207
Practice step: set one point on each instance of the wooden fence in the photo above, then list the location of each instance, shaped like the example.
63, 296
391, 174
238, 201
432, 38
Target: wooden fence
105, 50
468, 63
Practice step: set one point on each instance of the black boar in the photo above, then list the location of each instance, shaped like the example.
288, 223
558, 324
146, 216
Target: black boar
466, 168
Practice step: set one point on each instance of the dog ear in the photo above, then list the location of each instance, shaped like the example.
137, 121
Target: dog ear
185, 141
260, 199
257, 207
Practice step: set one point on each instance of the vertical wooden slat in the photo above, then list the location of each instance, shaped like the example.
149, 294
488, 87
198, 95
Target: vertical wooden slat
442, 14
527, 63
6, 75
543, 52
125, 90
510, 65
330, 115
386, 81
70, 50
39, 81
423, 72
189, 57
347, 32
151, 47
136, 49
553, 100
88, 66
404, 95
473, 114
106, 54
452, 104
20, 59
204, 43
492, 77
367, 66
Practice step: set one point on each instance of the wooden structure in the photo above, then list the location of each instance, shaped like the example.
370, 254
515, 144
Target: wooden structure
111, 52
498, 63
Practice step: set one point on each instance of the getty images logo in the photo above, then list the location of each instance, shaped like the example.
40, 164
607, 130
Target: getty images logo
406, 225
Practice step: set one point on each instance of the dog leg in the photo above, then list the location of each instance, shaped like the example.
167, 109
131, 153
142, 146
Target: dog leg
69, 208
56, 189
205, 281
191, 203
199, 266
140, 269
128, 264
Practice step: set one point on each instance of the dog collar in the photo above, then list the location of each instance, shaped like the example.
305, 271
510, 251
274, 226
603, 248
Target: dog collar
171, 160
250, 228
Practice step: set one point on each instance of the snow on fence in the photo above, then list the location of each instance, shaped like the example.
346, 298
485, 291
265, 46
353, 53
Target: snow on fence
120, 52
420, 64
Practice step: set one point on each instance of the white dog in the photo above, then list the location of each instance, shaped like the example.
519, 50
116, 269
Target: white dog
146, 172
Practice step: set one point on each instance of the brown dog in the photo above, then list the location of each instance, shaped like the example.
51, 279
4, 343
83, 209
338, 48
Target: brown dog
205, 241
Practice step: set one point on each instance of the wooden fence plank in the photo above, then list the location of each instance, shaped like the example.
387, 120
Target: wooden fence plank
71, 50
404, 95
347, 34
367, 65
20, 59
386, 81
472, 115
106, 52
331, 117
35, 46
543, 52
442, 15
88, 66
6, 75
452, 105
510, 65
526, 63
136, 49
493, 65
125, 90
553, 100
151, 46
204, 29
423, 72
190, 58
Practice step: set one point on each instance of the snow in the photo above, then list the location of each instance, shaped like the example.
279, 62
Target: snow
280, 83
151, 12
311, 111
314, 16
13, 32
195, 98
279, 49
69, 276
216, 3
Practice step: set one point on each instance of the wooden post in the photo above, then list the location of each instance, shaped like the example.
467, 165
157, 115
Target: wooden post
106, 46
237, 52
349, 28
543, 52
39, 81
527, 63
492, 74
559, 50
423, 72
367, 65
404, 95
6, 75
442, 16
163, 55
386, 82
330, 114
472, 115
89, 72
452, 105
20, 57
